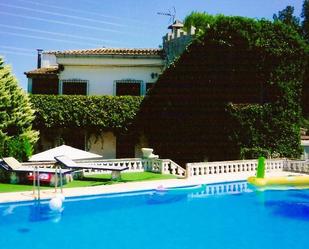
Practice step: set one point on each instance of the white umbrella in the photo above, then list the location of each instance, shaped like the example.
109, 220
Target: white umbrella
63, 150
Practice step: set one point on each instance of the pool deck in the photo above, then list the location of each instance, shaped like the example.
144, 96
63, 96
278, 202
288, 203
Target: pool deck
132, 186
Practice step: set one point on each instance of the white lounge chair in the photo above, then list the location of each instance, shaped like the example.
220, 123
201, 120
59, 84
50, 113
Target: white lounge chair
69, 163
11, 164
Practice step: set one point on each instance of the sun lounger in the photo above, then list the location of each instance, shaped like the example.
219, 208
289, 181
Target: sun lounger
69, 163
11, 164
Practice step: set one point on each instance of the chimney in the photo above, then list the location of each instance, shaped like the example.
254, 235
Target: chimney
39, 57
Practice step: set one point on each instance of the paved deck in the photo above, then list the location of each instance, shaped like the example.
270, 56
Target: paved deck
132, 186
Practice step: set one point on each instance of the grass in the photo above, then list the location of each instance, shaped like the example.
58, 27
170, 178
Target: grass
7, 187
93, 180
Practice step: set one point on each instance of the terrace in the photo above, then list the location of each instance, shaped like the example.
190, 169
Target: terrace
148, 174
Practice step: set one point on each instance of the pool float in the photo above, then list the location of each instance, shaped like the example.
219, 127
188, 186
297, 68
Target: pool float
289, 181
280, 181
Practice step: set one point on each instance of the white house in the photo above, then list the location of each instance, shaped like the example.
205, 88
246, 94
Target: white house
102, 71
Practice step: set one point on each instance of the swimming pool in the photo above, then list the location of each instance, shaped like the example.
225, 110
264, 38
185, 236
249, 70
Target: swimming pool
217, 216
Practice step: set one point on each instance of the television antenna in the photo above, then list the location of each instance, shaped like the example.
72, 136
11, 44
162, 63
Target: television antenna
171, 14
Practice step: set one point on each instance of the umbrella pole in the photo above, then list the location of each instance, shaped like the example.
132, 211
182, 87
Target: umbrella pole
33, 175
38, 178
56, 179
61, 180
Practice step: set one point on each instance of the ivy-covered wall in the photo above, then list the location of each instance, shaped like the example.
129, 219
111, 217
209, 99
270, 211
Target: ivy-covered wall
113, 113
191, 115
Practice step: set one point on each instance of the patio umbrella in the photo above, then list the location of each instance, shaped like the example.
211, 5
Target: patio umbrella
63, 150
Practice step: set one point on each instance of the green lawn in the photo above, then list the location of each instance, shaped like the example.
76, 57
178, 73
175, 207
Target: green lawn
6, 187
93, 180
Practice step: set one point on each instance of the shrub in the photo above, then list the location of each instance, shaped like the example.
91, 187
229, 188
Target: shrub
253, 153
16, 115
89, 112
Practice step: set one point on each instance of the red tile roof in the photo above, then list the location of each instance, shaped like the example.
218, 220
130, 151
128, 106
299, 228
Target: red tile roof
111, 51
43, 70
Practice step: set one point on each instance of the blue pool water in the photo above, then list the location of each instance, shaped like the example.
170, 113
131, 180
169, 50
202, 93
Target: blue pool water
219, 216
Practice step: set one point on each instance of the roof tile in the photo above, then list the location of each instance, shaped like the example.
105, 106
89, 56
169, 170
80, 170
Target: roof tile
43, 70
110, 51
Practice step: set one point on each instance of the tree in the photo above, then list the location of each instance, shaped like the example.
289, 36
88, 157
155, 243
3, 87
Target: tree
286, 16
201, 21
17, 137
305, 22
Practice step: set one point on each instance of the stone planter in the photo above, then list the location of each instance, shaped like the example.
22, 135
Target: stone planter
147, 152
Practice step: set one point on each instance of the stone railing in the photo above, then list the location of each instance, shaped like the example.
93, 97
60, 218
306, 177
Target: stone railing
162, 166
152, 165
167, 166
133, 164
230, 167
170, 167
298, 166
275, 164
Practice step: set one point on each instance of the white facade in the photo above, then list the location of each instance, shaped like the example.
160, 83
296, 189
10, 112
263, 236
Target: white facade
103, 144
48, 60
101, 74
102, 71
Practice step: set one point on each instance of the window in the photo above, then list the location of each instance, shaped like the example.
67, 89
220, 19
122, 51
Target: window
74, 87
149, 86
128, 87
44, 86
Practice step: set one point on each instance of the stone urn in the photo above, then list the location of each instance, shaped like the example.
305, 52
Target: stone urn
147, 152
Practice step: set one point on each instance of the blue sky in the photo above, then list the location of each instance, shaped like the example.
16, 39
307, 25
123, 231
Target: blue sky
26, 25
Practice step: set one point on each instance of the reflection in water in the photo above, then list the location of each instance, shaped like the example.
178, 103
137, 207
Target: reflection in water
42, 212
170, 195
165, 197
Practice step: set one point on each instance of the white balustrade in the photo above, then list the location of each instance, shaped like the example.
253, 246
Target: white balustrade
167, 166
218, 168
170, 167
299, 166
133, 164
275, 164
234, 167
162, 166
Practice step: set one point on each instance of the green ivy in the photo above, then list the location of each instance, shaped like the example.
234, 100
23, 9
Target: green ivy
88, 112
265, 130
236, 86
253, 153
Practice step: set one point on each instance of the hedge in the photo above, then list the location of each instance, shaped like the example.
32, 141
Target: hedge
88, 112
266, 129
